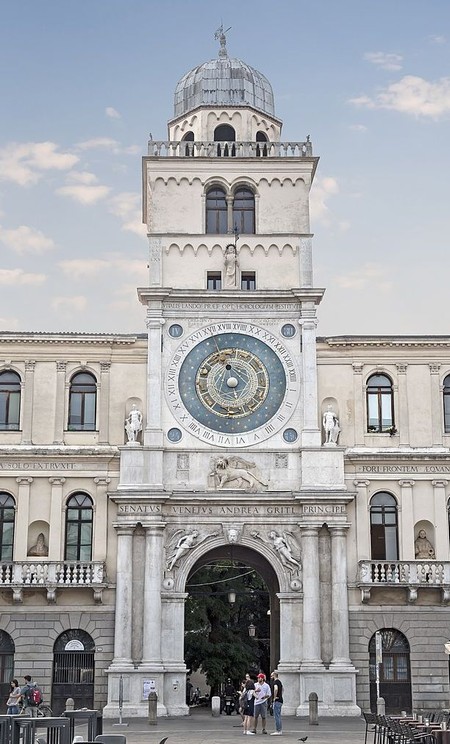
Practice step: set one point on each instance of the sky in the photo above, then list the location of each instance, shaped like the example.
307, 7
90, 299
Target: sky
84, 82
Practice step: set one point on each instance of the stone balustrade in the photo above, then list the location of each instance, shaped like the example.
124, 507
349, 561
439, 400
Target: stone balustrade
410, 575
167, 149
52, 576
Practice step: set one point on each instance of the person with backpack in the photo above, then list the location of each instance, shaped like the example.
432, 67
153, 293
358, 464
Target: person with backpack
31, 696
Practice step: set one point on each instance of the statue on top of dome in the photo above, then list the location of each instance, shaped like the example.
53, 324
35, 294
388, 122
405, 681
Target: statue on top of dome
220, 36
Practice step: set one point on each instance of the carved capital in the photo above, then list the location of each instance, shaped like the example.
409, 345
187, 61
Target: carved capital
105, 367
434, 368
406, 483
439, 483
401, 368
57, 481
23, 480
361, 483
30, 365
357, 368
61, 367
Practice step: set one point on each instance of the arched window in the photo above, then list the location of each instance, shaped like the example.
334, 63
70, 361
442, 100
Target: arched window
244, 211
446, 393
216, 211
9, 400
225, 133
82, 402
380, 404
189, 149
7, 519
383, 527
79, 518
261, 150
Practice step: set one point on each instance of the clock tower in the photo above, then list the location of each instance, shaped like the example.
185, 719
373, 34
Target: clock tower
232, 448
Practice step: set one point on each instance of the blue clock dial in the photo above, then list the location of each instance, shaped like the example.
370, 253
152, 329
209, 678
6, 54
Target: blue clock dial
232, 383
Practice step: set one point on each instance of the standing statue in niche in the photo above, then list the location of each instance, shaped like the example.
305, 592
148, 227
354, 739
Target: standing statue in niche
331, 426
231, 267
40, 549
133, 424
423, 549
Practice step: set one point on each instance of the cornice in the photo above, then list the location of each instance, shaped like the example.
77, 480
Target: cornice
385, 341
102, 339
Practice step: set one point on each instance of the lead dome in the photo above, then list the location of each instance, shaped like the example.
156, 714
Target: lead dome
224, 81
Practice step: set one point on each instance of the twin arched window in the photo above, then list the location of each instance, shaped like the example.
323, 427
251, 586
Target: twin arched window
10, 386
82, 402
238, 217
79, 521
383, 527
380, 404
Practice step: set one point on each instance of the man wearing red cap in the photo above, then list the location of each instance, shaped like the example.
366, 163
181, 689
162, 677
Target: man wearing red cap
262, 695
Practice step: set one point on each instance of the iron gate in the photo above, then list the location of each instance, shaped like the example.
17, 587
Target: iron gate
73, 671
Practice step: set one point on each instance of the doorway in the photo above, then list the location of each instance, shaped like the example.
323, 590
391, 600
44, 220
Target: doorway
73, 671
394, 672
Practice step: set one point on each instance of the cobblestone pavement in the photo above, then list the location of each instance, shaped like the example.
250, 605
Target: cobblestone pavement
201, 728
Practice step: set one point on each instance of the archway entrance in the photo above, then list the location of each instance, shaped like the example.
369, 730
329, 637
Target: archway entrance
394, 672
73, 671
231, 618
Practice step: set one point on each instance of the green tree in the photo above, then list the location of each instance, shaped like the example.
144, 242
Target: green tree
217, 640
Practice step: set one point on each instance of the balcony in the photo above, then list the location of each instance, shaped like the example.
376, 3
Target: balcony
186, 149
410, 575
51, 576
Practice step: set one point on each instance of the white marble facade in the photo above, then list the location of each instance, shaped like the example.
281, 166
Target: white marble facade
292, 489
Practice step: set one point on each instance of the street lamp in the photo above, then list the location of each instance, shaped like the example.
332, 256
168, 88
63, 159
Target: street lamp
251, 630
231, 597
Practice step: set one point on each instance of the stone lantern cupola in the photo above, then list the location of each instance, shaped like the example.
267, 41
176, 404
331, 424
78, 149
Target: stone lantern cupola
224, 99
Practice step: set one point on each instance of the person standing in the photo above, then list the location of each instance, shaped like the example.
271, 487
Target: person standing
14, 697
30, 707
249, 708
262, 695
277, 697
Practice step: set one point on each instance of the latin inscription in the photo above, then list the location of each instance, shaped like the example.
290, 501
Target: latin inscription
406, 469
231, 510
42, 466
324, 509
272, 306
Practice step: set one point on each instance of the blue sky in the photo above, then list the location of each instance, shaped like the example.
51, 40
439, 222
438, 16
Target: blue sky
83, 82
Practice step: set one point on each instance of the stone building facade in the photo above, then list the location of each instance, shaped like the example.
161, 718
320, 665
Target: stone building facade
321, 462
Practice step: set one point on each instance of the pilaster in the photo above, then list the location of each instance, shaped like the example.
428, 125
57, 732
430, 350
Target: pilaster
103, 413
28, 399
124, 598
359, 398
154, 546
362, 520
339, 597
402, 423
407, 551
311, 597
58, 435
101, 518
441, 546
308, 323
22, 517
436, 404
56, 511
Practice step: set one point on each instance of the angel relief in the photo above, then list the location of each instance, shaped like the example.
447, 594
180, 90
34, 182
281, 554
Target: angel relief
181, 543
235, 473
285, 545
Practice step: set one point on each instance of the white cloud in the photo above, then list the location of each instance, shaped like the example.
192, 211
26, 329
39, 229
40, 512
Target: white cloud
84, 268
69, 304
127, 207
83, 188
321, 190
358, 128
370, 275
385, 60
98, 142
24, 239
24, 164
108, 143
412, 95
14, 277
437, 39
112, 113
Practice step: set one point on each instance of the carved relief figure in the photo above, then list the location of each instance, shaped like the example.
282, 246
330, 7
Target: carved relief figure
40, 548
423, 549
237, 473
184, 544
231, 266
284, 544
331, 426
133, 424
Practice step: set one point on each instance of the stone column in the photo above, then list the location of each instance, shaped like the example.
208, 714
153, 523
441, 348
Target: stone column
360, 404
103, 412
437, 405
363, 551
60, 403
153, 426
291, 631
28, 398
230, 200
154, 547
311, 433
22, 517
124, 597
311, 596
54, 538
441, 547
407, 551
101, 519
402, 415
339, 597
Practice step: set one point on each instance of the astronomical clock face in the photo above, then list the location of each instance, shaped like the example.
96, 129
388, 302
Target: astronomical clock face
232, 384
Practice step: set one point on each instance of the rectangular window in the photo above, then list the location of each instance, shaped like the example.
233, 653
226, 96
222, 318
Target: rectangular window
248, 280
213, 280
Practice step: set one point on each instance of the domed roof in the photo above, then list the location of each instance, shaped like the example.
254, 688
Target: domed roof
223, 82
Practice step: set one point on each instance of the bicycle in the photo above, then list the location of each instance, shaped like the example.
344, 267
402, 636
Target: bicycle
43, 711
